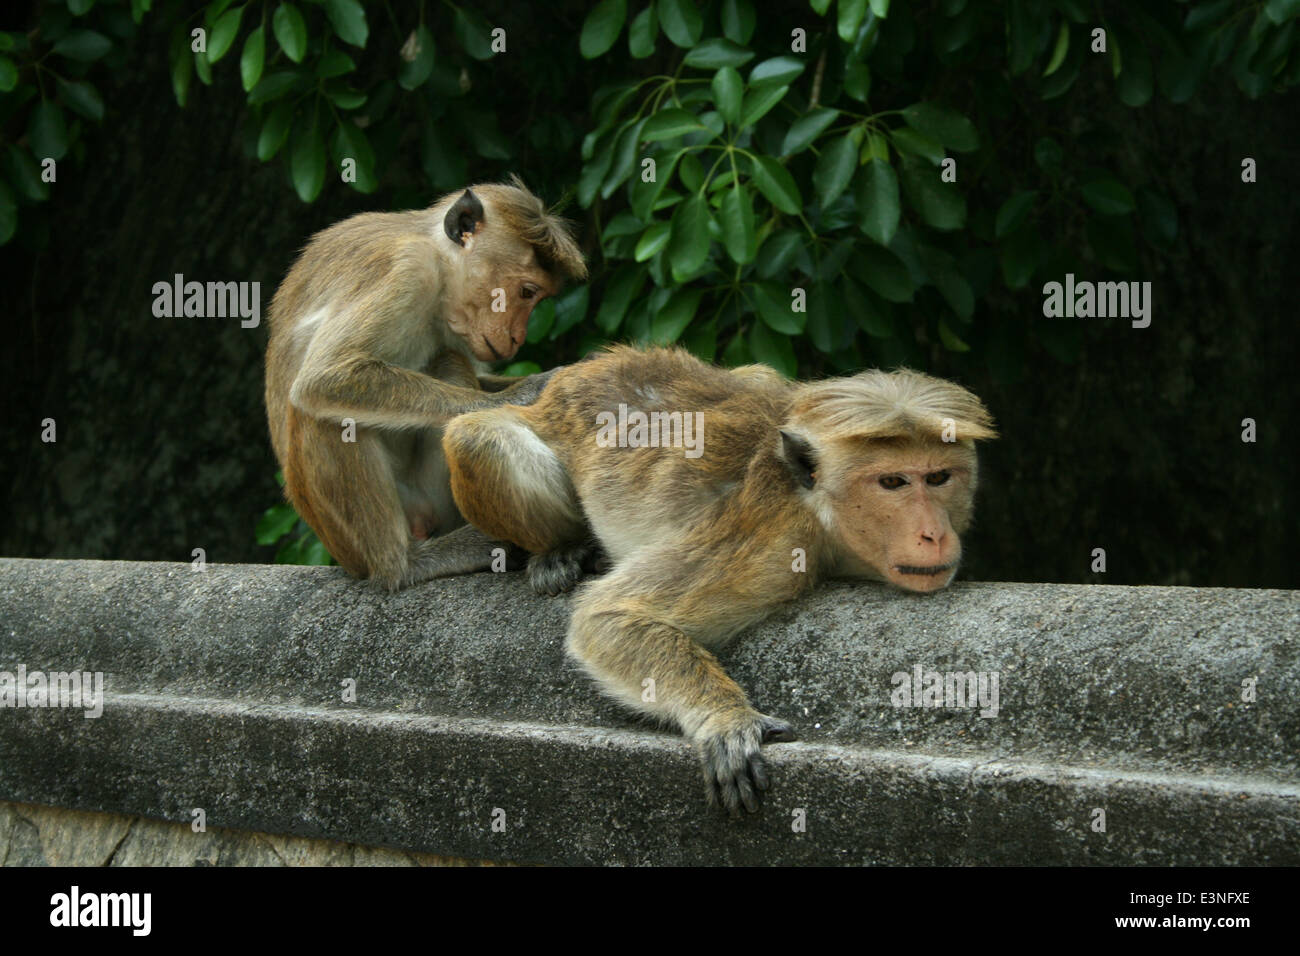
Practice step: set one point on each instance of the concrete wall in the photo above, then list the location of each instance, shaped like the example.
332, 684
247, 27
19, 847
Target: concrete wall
1168, 716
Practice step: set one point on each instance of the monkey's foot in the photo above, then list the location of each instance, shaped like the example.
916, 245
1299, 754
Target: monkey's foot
557, 571
735, 773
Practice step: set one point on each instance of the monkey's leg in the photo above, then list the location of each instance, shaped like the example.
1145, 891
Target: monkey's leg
462, 551
627, 633
508, 482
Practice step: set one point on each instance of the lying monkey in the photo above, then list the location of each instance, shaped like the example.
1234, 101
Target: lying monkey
870, 476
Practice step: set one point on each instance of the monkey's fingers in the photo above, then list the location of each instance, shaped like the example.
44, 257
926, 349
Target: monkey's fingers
734, 772
777, 731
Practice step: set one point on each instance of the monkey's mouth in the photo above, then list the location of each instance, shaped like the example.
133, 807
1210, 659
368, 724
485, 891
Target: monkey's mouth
493, 349
928, 571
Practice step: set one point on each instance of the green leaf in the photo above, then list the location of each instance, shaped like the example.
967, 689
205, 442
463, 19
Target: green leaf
876, 194
851, 13
667, 325
80, 7
1062, 47
8, 216
624, 157
272, 87
83, 99
413, 73
1108, 196
290, 31
670, 123
1048, 154
868, 311
834, 169
646, 194
857, 80
83, 45
728, 89
774, 302
652, 240
884, 273
778, 71
307, 165
602, 27
623, 286
772, 349
334, 63
1018, 254
203, 68
223, 34
806, 129
1136, 80
777, 254
47, 131
681, 22
541, 321
917, 144
182, 72
570, 309
275, 129
944, 126
738, 230
940, 204
738, 20
880, 8
253, 59
351, 142
775, 182
25, 174
717, 52
1013, 211
348, 18
1279, 11
950, 339
642, 33
275, 523
8, 74
758, 102
689, 245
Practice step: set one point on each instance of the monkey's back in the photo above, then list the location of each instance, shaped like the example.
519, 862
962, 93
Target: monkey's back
734, 415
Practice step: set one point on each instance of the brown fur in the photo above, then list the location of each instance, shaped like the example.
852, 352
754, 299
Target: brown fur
704, 547
387, 320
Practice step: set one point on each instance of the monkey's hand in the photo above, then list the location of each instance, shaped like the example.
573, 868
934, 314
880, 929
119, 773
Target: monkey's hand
734, 770
528, 389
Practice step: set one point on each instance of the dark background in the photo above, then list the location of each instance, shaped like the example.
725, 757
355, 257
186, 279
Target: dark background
1134, 445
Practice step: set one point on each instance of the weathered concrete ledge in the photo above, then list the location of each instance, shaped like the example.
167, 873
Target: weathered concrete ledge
225, 692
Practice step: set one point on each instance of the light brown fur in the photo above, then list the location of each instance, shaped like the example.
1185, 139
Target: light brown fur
704, 547
388, 319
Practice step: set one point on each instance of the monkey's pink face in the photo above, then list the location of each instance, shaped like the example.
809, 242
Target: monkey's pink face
903, 518
498, 289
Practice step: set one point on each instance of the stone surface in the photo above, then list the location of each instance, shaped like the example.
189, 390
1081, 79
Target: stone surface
225, 692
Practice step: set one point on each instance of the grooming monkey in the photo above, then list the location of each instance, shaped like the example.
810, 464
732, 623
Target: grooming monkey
868, 476
389, 320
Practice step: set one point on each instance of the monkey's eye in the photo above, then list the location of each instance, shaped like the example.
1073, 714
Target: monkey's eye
892, 482
937, 477
528, 291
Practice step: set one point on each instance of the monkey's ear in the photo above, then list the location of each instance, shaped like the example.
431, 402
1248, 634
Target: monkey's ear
800, 457
463, 217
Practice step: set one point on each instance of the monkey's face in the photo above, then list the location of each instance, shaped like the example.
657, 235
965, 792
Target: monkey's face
902, 511
495, 285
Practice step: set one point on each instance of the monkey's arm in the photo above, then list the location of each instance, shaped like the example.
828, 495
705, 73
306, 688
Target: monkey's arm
643, 642
382, 395
525, 389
